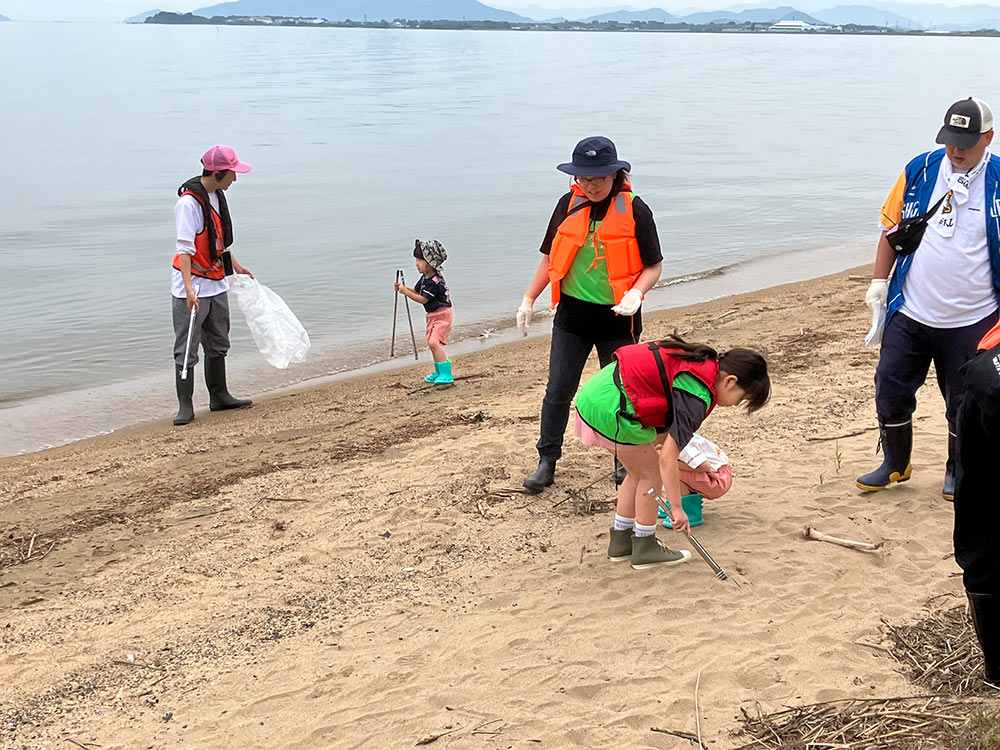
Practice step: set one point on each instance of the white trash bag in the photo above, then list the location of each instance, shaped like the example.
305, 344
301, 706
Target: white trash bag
277, 332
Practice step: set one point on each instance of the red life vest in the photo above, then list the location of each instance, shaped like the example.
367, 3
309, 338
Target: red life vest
991, 339
616, 234
646, 373
201, 262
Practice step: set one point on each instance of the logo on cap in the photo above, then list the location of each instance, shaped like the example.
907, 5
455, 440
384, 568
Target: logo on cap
591, 153
959, 121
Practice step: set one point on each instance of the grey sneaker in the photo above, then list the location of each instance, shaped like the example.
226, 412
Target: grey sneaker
620, 546
648, 551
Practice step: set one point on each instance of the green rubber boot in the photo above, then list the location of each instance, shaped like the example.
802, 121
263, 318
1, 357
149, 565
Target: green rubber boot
444, 376
620, 546
432, 378
648, 552
692, 505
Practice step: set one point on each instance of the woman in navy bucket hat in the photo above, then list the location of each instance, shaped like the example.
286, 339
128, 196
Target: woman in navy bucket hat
600, 255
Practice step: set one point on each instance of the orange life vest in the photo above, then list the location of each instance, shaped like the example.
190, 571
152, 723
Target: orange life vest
616, 234
201, 262
646, 373
991, 339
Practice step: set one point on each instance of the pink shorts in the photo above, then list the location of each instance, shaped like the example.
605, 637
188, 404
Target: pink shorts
709, 484
589, 436
439, 325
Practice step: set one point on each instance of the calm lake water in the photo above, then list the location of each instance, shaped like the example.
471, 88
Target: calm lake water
767, 154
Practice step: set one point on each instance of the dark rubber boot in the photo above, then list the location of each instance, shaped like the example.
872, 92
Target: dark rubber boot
896, 441
541, 477
185, 389
219, 397
620, 473
986, 617
948, 488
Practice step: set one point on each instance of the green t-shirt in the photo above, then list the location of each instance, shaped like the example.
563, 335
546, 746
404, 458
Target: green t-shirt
599, 400
587, 278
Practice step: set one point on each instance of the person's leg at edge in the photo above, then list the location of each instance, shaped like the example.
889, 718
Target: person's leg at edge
185, 387
215, 339
643, 472
977, 516
605, 352
953, 347
903, 363
567, 357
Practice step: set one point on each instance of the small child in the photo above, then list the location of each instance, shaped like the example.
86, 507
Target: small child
705, 473
431, 291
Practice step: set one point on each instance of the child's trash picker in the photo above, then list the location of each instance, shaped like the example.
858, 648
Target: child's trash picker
716, 568
395, 310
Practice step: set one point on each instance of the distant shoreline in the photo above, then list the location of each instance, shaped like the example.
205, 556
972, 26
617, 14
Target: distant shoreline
763, 27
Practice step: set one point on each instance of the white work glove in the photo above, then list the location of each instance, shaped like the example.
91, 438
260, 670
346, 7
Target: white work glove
524, 315
877, 294
630, 303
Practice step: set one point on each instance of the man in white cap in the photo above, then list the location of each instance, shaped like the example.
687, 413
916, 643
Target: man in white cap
203, 259
945, 287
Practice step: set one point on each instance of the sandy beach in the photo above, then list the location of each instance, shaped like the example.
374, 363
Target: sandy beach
353, 566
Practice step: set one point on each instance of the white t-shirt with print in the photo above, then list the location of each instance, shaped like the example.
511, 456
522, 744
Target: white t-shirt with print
950, 283
190, 220
699, 450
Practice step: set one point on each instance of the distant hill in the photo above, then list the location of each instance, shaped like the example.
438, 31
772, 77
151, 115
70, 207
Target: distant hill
4, 18
938, 15
627, 16
141, 18
865, 15
373, 10
752, 15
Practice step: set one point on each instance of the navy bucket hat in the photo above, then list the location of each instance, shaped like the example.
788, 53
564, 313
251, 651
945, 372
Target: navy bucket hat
594, 157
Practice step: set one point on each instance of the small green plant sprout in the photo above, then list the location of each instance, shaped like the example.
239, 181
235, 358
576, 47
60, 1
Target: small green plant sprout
838, 454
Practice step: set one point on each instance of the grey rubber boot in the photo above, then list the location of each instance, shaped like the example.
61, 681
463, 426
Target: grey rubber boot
648, 551
985, 610
896, 440
219, 397
541, 477
185, 389
948, 488
620, 545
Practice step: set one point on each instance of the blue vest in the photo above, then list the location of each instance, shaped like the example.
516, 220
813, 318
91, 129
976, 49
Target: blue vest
921, 176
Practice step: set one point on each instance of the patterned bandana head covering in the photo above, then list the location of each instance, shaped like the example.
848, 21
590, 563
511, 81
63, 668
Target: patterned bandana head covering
432, 252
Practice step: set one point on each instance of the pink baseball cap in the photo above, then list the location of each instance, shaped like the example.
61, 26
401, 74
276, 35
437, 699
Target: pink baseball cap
221, 157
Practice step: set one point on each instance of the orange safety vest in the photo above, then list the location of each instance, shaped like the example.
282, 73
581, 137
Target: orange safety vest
616, 233
991, 339
201, 262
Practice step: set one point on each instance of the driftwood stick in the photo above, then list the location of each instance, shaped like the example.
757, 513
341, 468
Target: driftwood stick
697, 710
690, 737
823, 439
810, 533
436, 737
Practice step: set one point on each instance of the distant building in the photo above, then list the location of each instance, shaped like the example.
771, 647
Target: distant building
791, 25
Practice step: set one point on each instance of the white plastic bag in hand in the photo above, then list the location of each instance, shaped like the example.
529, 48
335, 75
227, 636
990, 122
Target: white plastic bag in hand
523, 316
277, 332
875, 299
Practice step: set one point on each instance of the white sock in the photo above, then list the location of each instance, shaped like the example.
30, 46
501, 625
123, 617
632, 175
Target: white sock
641, 530
623, 524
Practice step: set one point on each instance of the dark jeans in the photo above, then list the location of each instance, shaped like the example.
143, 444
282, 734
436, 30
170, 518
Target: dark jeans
908, 348
977, 500
567, 358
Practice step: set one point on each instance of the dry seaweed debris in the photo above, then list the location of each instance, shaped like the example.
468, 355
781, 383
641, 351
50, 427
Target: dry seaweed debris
914, 723
941, 653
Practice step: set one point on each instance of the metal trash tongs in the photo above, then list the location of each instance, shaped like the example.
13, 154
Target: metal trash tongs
716, 568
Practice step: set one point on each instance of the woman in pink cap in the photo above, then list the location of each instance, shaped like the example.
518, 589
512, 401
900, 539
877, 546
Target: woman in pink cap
202, 261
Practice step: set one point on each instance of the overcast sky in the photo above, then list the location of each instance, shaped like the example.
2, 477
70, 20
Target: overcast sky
116, 10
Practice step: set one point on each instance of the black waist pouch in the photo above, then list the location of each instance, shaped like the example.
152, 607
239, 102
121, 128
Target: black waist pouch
906, 235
